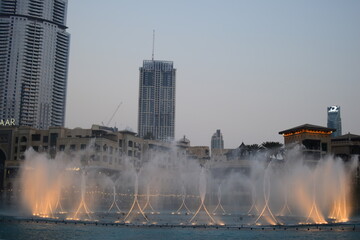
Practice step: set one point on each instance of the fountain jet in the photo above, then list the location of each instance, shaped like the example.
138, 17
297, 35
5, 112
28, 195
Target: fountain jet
202, 190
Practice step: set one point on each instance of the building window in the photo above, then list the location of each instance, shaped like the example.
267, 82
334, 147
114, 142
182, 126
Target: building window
130, 144
61, 147
53, 139
324, 147
22, 148
35, 137
72, 147
83, 146
23, 139
45, 139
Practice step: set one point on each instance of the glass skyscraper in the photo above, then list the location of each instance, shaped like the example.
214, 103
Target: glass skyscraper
217, 141
334, 120
156, 116
34, 49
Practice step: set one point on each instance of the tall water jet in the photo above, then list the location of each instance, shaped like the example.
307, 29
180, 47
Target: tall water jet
254, 210
183, 204
148, 203
135, 201
82, 208
285, 210
219, 205
202, 190
114, 202
266, 190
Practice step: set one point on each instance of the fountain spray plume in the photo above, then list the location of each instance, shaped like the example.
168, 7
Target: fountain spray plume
202, 190
40, 181
148, 203
183, 203
266, 190
114, 202
219, 205
83, 208
135, 201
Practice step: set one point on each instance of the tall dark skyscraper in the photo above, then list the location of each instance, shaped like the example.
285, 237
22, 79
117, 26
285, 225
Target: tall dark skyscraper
156, 119
334, 120
34, 50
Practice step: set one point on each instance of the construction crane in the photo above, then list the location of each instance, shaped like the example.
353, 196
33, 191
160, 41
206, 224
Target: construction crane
112, 116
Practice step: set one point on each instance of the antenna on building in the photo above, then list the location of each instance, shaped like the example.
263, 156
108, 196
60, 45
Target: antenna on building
153, 45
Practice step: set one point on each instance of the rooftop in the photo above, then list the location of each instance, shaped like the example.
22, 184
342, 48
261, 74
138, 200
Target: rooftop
307, 127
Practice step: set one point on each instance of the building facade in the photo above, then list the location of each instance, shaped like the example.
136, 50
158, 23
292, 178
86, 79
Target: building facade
217, 141
156, 116
346, 146
316, 140
99, 148
334, 120
33, 62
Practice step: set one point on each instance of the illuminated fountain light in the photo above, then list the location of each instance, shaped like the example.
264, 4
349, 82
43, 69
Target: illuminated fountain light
183, 204
266, 189
314, 212
219, 205
82, 206
340, 211
135, 202
202, 190
148, 203
114, 203
58, 207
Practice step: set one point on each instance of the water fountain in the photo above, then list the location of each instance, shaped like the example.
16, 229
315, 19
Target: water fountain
82, 208
114, 202
270, 218
202, 190
148, 203
219, 205
135, 202
300, 194
183, 203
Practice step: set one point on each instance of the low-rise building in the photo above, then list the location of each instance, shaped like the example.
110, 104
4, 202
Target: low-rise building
346, 146
315, 139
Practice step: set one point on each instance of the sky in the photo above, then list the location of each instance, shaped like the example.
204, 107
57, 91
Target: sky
249, 68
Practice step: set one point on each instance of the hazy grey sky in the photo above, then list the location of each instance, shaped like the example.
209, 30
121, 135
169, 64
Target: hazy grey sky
250, 68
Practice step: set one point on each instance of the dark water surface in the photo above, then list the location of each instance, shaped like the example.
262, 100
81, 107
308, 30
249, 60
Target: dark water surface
22, 230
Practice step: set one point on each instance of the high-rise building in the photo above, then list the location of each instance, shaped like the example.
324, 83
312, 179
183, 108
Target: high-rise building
217, 141
34, 50
334, 120
156, 119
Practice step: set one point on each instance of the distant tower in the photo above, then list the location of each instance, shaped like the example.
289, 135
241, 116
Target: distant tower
34, 50
334, 120
156, 116
217, 141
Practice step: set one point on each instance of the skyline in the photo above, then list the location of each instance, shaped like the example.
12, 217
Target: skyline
238, 63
